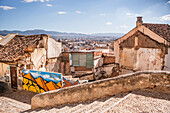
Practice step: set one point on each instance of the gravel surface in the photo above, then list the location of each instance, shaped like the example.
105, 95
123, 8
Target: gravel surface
8, 105
144, 101
141, 101
92, 105
108, 103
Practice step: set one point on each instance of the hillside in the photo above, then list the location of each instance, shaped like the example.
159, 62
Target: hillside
57, 35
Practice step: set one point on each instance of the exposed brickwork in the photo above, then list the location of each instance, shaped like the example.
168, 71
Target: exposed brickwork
109, 60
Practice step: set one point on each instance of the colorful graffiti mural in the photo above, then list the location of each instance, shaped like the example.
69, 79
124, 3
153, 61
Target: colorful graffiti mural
67, 83
38, 81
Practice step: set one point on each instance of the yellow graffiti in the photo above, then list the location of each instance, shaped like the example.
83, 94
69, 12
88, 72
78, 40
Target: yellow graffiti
25, 81
30, 82
42, 91
38, 89
32, 88
35, 84
25, 87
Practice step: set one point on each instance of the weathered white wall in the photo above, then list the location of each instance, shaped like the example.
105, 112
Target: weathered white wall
167, 60
54, 48
97, 65
98, 62
116, 51
144, 30
4, 72
128, 57
38, 57
148, 59
52, 65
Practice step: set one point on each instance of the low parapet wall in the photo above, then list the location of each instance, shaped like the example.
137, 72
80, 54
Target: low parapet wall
100, 88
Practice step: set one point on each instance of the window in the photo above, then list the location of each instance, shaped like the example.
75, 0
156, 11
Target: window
89, 59
75, 59
83, 60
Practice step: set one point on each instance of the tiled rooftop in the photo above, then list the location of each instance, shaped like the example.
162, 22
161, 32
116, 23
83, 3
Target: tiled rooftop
16, 46
162, 30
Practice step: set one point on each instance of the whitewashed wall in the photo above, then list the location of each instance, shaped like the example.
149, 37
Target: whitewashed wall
149, 59
38, 57
54, 48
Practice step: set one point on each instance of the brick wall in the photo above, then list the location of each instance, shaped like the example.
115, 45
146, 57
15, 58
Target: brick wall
109, 59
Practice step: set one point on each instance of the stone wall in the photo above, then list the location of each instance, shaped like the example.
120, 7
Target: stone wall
100, 88
109, 60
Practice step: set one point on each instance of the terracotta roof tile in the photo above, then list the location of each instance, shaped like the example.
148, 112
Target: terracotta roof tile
16, 46
162, 30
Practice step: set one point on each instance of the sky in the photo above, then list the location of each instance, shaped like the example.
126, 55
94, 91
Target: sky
81, 16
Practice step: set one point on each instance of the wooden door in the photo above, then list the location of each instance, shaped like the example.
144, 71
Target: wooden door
13, 73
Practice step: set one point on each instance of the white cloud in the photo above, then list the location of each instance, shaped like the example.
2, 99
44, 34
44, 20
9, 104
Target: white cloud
35, 74
26, 71
56, 79
124, 26
49, 77
108, 23
102, 14
165, 17
7, 7
61, 12
128, 14
28, 1
49, 5
132, 14
79, 12
168, 2
46, 76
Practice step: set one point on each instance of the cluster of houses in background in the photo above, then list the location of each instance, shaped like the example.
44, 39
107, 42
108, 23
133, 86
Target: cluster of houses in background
146, 47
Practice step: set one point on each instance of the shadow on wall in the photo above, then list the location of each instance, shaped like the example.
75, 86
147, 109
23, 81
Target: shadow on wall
3, 87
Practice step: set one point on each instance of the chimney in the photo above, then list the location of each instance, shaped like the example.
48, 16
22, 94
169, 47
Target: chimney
139, 21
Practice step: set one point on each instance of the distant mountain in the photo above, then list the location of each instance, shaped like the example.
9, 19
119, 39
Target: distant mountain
57, 35
38, 31
108, 34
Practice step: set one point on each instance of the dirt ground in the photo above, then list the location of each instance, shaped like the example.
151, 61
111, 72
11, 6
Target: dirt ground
22, 96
